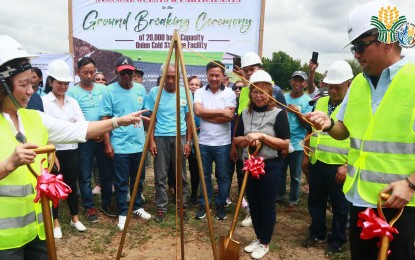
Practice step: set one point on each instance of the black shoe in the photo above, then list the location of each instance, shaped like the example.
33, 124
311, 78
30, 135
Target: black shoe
91, 215
312, 242
333, 250
220, 212
201, 213
194, 201
160, 216
109, 211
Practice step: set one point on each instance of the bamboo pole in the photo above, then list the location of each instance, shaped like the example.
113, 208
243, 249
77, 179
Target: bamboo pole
198, 156
261, 29
146, 144
70, 35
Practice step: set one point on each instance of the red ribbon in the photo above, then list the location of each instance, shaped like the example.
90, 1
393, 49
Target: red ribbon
52, 186
255, 166
374, 226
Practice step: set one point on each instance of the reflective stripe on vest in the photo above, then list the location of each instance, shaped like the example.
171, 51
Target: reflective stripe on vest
21, 219
382, 144
383, 147
16, 190
325, 148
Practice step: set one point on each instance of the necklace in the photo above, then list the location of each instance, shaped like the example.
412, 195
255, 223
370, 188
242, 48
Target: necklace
252, 119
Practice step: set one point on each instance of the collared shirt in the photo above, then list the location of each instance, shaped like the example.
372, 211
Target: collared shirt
212, 134
69, 112
166, 112
376, 97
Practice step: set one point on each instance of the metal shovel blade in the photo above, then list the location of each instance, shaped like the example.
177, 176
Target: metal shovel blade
228, 249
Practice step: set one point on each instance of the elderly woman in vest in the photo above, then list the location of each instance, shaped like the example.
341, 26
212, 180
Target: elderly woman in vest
263, 122
22, 232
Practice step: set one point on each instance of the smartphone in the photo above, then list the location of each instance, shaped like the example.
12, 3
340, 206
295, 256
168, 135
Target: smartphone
314, 57
236, 62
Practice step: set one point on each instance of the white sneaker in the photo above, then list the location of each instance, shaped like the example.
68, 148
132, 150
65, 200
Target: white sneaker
121, 222
96, 190
142, 214
57, 232
247, 221
251, 247
260, 251
78, 226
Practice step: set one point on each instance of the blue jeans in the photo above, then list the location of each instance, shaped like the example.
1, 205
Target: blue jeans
293, 160
322, 186
261, 198
219, 155
126, 169
87, 152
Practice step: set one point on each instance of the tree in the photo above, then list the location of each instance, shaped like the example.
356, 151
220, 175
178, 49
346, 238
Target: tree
281, 66
355, 66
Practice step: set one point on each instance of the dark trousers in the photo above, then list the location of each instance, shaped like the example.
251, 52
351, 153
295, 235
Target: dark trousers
69, 162
322, 185
261, 194
34, 250
194, 173
402, 246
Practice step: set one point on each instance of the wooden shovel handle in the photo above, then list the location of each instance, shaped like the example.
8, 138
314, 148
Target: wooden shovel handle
45, 149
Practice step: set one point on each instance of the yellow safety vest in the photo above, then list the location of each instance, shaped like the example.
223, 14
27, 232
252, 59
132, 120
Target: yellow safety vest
325, 148
382, 145
21, 219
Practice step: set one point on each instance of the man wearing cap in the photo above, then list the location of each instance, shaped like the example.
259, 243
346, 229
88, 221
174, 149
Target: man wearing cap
297, 100
378, 116
328, 167
125, 146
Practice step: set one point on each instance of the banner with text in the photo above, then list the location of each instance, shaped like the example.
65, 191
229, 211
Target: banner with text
142, 30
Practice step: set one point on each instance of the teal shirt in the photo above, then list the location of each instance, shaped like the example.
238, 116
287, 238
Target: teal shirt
119, 102
297, 131
166, 112
89, 101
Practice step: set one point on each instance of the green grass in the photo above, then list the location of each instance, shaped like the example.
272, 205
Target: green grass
190, 58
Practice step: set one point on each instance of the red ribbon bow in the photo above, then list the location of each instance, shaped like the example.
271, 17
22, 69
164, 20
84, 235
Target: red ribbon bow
255, 166
374, 226
52, 186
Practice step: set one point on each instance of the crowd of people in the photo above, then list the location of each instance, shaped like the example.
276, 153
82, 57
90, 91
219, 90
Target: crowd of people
345, 133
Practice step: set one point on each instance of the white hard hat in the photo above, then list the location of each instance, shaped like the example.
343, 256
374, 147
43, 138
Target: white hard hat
60, 71
260, 76
359, 19
250, 58
10, 49
338, 72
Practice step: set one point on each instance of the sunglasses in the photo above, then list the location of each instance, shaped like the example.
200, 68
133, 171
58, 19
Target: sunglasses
360, 47
103, 79
237, 88
21, 138
126, 72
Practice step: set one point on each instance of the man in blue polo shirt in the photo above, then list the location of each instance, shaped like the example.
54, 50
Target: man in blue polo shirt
125, 145
163, 139
89, 94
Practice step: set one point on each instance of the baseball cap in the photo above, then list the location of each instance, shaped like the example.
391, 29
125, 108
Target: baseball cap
322, 92
300, 73
124, 63
139, 71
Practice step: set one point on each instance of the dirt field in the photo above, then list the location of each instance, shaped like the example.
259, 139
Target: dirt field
151, 240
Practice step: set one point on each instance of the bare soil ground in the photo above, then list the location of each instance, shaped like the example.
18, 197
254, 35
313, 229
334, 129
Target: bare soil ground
151, 240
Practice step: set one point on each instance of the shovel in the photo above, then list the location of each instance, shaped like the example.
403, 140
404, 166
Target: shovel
229, 248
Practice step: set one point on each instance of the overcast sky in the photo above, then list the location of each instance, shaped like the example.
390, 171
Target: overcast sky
296, 27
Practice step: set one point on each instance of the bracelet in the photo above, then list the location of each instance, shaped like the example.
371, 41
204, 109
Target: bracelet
410, 184
330, 127
264, 136
114, 122
189, 142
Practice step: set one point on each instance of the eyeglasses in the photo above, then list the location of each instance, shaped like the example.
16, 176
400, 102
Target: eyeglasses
360, 47
126, 72
237, 88
258, 93
21, 138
